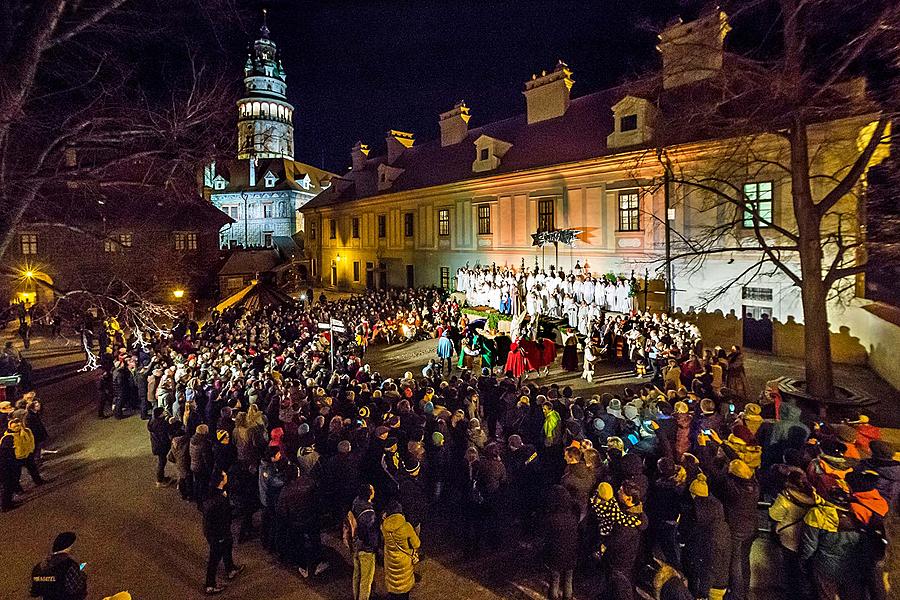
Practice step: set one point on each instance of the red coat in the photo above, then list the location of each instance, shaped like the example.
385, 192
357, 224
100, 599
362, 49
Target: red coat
515, 360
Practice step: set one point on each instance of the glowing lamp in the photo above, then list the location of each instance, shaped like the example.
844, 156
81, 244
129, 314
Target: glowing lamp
29, 274
178, 294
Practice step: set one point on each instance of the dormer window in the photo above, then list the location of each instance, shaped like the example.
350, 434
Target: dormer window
387, 175
219, 183
305, 182
633, 122
488, 152
270, 179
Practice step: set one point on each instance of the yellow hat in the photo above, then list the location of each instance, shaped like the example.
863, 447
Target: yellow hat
752, 408
699, 486
222, 435
604, 491
740, 469
681, 407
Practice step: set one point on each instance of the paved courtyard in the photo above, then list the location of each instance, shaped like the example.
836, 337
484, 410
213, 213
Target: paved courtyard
136, 537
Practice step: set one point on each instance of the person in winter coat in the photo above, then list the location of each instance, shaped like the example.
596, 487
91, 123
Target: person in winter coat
299, 510
827, 472
180, 455
202, 460
217, 530
412, 494
578, 479
273, 475
561, 541
664, 502
401, 546
552, 428
787, 511
882, 462
365, 542
869, 509
707, 542
623, 544
740, 495
34, 421
831, 545
682, 430
160, 443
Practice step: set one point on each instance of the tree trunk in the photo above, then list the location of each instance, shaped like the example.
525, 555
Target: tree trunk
814, 292
816, 335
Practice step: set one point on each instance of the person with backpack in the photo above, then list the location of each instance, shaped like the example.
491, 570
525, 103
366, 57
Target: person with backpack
360, 533
59, 576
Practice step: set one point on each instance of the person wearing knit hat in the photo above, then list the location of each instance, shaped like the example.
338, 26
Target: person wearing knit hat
59, 575
437, 438
752, 417
614, 408
740, 469
699, 487
707, 544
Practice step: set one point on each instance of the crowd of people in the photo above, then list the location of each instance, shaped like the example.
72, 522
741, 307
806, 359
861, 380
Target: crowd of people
579, 296
656, 486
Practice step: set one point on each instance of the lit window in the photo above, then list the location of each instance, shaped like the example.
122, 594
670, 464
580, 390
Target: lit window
29, 243
546, 221
126, 240
758, 204
484, 219
354, 227
382, 226
332, 226
312, 231
444, 222
267, 239
628, 123
629, 211
445, 278
756, 294
185, 240
408, 225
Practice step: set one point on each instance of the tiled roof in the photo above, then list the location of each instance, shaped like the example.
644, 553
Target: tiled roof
243, 262
579, 134
288, 173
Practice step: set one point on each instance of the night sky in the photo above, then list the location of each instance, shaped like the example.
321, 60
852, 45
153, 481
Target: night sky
357, 69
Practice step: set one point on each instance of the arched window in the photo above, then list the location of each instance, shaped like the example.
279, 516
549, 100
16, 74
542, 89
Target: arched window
265, 109
273, 109
280, 111
256, 109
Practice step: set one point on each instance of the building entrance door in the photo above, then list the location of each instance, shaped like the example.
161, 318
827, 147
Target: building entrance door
757, 326
370, 276
410, 276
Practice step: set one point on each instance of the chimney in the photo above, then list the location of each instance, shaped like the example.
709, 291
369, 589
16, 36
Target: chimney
693, 51
397, 142
454, 124
358, 155
547, 96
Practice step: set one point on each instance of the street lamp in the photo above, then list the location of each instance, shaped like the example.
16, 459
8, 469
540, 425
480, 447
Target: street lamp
179, 294
29, 274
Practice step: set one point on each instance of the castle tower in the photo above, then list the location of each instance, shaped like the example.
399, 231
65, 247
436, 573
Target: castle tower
265, 119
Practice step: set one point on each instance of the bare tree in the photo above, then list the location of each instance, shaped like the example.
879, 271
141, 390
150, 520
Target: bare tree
814, 115
107, 97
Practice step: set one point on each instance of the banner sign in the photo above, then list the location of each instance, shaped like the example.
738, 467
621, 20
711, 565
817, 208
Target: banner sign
562, 236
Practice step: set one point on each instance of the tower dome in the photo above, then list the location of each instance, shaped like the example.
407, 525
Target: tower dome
265, 118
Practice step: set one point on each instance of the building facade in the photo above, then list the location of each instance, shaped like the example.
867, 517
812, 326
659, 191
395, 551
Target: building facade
262, 190
418, 212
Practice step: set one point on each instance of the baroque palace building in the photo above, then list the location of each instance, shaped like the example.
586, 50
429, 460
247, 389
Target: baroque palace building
418, 212
264, 187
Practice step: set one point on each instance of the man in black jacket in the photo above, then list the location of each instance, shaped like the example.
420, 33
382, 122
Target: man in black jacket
217, 530
59, 577
365, 542
160, 443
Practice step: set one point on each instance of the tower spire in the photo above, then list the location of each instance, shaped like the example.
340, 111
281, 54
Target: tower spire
264, 29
